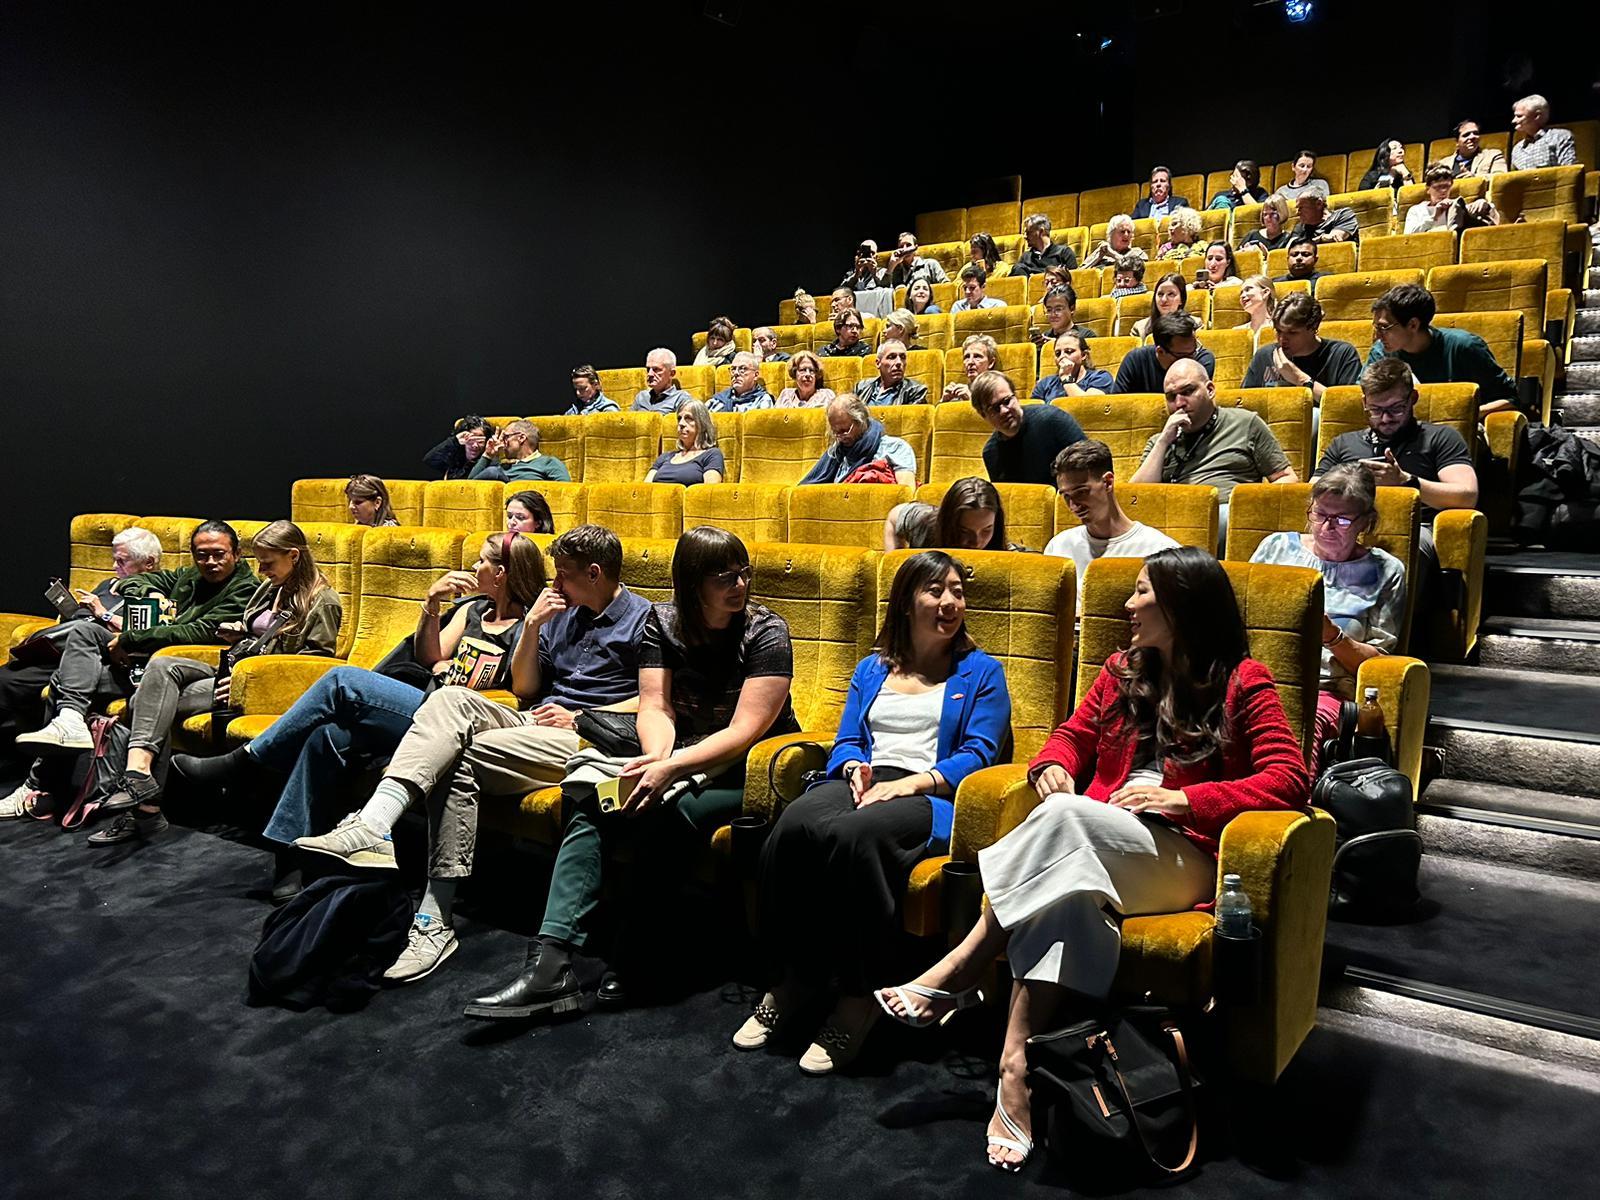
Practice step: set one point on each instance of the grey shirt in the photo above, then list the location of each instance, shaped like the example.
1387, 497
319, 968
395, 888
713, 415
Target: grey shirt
1234, 447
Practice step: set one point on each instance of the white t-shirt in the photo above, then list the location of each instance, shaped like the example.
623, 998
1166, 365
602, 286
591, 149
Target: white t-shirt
1076, 544
905, 729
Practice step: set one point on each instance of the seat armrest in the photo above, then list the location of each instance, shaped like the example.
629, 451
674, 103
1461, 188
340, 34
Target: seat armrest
1461, 537
989, 804
16, 628
759, 797
1404, 686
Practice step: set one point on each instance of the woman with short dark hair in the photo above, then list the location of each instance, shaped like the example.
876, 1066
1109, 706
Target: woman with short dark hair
719, 348
1178, 735
528, 512
925, 710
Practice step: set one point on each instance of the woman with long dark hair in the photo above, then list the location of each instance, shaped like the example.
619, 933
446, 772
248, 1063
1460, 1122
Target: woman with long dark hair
1388, 167
1178, 734
971, 517
925, 710
1171, 295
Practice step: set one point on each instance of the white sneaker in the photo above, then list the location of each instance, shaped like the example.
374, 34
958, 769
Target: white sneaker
354, 841
19, 803
428, 943
66, 731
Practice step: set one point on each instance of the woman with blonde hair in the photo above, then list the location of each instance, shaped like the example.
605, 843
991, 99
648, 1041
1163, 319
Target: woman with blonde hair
1259, 299
810, 389
368, 498
1275, 226
1183, 236
805, 307
900, 326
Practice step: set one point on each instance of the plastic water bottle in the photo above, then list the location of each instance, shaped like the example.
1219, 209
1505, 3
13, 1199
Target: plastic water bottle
1234, 915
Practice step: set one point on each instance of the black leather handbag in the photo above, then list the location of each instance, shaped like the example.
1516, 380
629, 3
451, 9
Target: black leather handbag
1379, 850
1126, 1080
614, 734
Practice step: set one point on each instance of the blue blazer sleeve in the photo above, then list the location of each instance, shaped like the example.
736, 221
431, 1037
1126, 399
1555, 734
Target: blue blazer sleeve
854, 741
974, 726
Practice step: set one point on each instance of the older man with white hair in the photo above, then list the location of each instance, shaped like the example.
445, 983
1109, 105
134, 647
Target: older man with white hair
891, 386
746, 392
661, 393
860, 450
1537, 146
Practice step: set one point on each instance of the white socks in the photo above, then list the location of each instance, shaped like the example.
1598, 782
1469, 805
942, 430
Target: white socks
437, 900
389, 800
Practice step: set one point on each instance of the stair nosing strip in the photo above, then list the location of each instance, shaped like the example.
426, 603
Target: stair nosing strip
1524, 569
1543, 635
1537, 732
1485, 816
1555, 1019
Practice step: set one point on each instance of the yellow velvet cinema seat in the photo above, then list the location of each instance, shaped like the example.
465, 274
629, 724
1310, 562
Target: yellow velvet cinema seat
1124, 422
781, 444
1086, 281
1062, 211
619, 447
1012, 290
1408, 251
1284, 858
622, 384
1018, 362
1029, 509
1349, 297
699, 382
89, 553
318, 500
755, 512
1460, 536
464, 504
842, 514
1374, 210
1009, 323
1287, 412
1535, 240
1336, 258
1520, 286
934, 334
1002, 220
927, 368
1544, 194
637, 510
1228, 313
1246, 220
912, 424
946, 225
1098, 205
1530, 362
959, 435
562, 437
1232, 349
1110, 351
841, 373
397, 566
1099, 317
567, 501
792, 337
1185, 512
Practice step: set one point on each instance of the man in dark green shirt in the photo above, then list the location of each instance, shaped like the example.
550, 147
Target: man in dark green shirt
1402, 320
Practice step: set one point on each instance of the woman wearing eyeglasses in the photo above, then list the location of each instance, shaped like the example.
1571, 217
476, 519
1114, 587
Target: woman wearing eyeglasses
1364, 587
714, 674
925, 710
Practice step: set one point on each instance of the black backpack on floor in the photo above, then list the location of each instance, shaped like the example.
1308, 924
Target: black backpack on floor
1379, 850
331, 944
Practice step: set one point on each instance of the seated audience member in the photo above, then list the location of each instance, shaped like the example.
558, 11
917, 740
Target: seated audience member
1274, 232
1183, 237
528, 512
805, 307
1439, 211
1302, 256
1041, 251
1402, 319
589, 397
1363, 588
512, 456
1301, 358
1145, 369
1118, 243
714, 676
973, 281
697, 459
1302, 182
847, 341
1171, 295
1259, 299
23, 679
455, 457
1388, 168
919, 298
1535, 145
1402, 451
984, 252
579, 651
907, 267
746, 392
295, 610
971, 517
865, 274
1340, 225
979, 353
1179, 734
1470, 158
1076, 374
1056, 276
810, 388
1128, 277
891, 385
765, 342
1026, 438
840, 300
1159, 202
719, 348
861, 452
1218, 268
925, 710
661, 393
367, 498
1061, 316
99, 664
351, 718
1243, 187
912, 526
900, 326
1085, 481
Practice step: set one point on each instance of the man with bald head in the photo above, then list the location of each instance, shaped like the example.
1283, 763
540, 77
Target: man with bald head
661, 393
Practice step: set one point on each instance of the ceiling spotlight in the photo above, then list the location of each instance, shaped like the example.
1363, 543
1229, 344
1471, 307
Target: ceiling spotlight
1297, 11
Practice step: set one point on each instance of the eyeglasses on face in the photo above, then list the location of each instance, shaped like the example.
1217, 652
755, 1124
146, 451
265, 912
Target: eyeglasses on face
726, 580
1382, 327
211, 555
1387, 410
1325, 519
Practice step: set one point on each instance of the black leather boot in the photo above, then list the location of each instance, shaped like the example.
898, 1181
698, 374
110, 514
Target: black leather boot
549, 984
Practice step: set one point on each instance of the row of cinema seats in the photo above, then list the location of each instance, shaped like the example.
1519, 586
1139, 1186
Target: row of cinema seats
1021, 607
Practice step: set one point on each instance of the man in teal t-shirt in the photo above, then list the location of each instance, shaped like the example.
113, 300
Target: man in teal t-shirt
516, 447
1402, 319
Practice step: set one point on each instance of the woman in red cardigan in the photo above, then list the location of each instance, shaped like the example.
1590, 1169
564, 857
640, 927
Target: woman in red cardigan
1177, 735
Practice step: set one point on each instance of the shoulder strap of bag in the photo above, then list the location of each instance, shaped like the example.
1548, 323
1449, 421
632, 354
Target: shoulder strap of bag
1176, 1035
86, 803
778, 758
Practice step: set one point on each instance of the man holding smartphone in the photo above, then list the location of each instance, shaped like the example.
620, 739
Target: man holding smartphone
906, 266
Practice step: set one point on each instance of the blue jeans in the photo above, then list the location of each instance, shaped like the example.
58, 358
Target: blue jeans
349, 717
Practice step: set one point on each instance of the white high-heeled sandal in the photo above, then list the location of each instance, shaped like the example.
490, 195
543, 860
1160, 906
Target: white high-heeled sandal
1018, 1141
921, 1018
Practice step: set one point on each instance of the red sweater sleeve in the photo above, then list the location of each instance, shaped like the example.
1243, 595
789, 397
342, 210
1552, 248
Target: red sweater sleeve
1272, 769
1074, 743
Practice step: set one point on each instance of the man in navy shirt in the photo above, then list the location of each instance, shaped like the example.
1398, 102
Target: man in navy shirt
1026, 438
662, 393
579, 651
1145, 369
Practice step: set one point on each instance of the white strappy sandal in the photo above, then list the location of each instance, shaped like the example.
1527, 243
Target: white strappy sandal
919, 1017
1018, 1141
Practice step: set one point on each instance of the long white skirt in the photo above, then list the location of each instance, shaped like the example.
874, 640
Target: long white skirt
1060, 881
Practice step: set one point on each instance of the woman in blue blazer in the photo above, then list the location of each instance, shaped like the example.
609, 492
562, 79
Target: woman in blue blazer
926, 709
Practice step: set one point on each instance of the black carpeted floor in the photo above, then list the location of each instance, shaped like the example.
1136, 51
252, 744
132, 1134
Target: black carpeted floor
1518, 935
132, 1068
1542, 700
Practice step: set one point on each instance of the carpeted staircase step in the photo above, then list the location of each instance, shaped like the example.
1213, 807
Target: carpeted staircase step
1548, 702
1584, 350
1505, 934
1579, 408
1583, 376
1588, 321
1512, 827
1556, 644
1590, 298
1539, 583
1548, 762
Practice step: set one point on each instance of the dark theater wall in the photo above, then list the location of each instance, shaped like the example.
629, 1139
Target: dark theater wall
240, 249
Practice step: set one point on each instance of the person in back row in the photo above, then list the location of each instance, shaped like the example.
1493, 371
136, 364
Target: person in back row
512, 456
698, 458
588, 398
1084, 479
1536, 145
1076, 374
764, 340
1402, 319
454, 457
1160, 202
747, 392
719, 348
661, 393
1145, 368
579, 652
367, 498
1026, 438
973, 281
891, 386
847, 340
1041, 251
1470, 158
714, 678
1301, 358
861, 452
